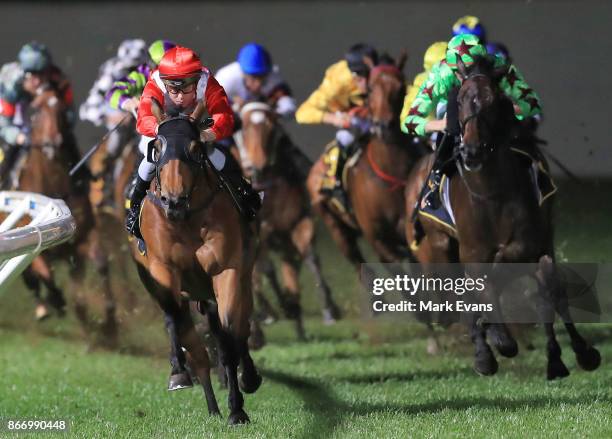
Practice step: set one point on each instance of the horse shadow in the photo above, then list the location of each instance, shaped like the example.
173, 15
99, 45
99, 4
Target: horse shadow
330, 412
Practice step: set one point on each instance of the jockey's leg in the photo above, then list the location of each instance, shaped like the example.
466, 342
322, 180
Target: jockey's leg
241, 189
444, 150
146, 171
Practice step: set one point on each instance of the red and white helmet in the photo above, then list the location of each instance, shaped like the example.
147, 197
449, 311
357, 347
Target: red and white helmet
180, 66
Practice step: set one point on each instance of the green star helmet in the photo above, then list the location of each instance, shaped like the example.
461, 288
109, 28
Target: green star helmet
466, 46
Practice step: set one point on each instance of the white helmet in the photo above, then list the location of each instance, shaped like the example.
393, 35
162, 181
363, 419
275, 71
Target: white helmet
133, 51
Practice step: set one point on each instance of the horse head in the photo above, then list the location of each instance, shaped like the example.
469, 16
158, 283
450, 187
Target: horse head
485, 114
258, 134
386, 94
48, 122
179, 157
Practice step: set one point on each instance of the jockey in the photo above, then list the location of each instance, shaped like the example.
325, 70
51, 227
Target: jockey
442, 85
180, 82
19, 81
124, 95
254, 78
434, 54
125, 92
471, 25
341, 94
95, 109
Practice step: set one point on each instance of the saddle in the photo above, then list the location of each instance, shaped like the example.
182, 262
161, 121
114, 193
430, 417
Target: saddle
441, 210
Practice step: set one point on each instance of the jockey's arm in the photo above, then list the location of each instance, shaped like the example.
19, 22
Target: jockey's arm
125, 93
416, 121
524, 99
11, 134
220, 111
146, 123
316, 109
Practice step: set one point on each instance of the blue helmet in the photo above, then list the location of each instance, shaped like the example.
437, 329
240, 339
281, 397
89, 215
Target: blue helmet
500, 50
34, 57
469, 25
254, 59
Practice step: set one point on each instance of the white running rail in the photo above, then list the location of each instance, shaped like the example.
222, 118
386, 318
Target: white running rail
51, 224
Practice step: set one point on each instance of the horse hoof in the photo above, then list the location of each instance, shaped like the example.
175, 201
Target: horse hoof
556, 369
257, 340
238, 417
505, 344
328, 318
432, 346
589, 359
41, 312
249, 386
179, 381
485, 363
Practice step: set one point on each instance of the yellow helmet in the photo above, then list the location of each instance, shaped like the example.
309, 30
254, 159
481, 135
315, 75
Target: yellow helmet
434, 53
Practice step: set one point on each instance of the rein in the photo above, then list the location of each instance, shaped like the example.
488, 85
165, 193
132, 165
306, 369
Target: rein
394, 182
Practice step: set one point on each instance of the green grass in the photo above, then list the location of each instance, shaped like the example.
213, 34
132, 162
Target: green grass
354, 379
330, 387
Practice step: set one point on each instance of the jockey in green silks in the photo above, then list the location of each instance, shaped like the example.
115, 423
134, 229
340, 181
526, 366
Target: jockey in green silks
439, 93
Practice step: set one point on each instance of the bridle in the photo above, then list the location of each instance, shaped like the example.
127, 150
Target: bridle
199, 165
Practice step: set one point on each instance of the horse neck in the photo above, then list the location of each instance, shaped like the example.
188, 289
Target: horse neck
44, 175
391, 154
498, 179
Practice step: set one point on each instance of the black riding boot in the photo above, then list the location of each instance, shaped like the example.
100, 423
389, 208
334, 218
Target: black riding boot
241, 190
131, 219
443, 152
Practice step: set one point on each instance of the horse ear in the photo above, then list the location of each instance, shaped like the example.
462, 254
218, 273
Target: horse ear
194, 146
461, 67
368, 62
400, 62
198, 112
157, 111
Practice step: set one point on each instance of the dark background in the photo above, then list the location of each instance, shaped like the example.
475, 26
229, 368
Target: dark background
563, 49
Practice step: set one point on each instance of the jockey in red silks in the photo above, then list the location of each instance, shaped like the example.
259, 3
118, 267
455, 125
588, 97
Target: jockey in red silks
179, 83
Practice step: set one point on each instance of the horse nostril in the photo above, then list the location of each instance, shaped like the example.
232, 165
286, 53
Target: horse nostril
164, 199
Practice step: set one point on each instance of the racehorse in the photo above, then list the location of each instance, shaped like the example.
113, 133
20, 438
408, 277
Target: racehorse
498, 218
52, 150
198, 248
287, 226
374, 184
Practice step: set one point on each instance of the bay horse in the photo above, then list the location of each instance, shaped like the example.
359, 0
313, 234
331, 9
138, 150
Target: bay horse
374, 184
198, 248
498, 218
287, 226
51, 152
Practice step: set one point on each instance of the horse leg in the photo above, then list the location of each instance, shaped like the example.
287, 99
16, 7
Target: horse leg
77, 274
331, 311
197, 356
343, 236
32, 282
587, 356
179, 377
98, 257
291, 295
555, 367
266, 312
484, 359
230, 324
229, 358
